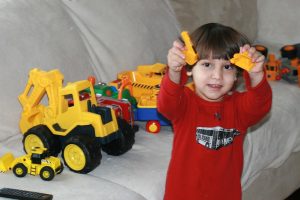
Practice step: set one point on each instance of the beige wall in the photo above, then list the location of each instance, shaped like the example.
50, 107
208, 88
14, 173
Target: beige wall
278, 23
239, 14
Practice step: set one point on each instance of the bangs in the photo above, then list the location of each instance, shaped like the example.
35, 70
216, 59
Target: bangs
216, 50
218, 42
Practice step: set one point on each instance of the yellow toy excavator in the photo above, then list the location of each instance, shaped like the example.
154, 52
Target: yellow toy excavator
70, 120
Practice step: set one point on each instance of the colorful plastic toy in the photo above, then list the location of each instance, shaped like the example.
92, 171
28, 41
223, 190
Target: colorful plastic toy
145, 82
273, 68
123, 105
242, 60
288, 51
271, 65
37, 162
191, 56
289, 69
290, 64
299, 76
144, 79
104, 90
70, 121
147, 111
262, 49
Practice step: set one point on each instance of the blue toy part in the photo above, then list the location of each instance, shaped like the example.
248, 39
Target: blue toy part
153, 117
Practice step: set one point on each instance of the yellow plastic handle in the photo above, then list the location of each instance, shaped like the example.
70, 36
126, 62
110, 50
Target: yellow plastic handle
191, 56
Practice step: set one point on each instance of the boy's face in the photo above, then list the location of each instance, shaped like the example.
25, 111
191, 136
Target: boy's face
213, 78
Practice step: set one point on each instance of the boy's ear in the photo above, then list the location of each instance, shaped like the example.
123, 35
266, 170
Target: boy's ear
236, 82
189, 73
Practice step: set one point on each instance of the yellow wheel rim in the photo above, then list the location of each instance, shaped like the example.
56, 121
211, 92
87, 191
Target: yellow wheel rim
32, 141
153, 127
19, 171
74, 157
46, 174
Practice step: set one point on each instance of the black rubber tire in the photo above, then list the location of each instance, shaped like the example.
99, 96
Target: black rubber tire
50, 141
61, 168
298, 49
262, 49
289, 51
124, 143
50, 172
91, 149
18, 167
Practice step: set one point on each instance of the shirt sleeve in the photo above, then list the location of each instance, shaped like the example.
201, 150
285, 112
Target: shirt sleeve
171, 102
255, 103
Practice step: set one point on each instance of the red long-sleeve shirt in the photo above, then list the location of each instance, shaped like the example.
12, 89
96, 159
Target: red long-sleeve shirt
207, 155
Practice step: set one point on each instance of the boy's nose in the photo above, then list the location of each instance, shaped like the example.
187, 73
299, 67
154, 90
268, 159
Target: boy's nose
217, 73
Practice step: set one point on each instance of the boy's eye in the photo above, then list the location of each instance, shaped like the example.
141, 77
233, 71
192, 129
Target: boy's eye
228, 67
206, 64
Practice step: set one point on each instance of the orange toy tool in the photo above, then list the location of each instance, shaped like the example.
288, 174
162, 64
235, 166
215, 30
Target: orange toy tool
242, 60
191, 56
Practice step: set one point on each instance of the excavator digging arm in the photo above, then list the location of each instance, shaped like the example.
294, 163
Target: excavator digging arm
39, 84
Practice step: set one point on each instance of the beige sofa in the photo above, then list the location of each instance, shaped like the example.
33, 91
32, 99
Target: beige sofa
102, 38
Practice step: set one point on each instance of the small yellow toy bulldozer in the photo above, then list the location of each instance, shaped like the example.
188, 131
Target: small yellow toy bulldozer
36, 162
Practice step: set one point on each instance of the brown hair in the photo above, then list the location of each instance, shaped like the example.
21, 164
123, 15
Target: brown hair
218, 41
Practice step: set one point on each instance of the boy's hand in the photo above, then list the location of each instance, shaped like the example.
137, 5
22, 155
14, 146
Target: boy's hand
256, 57
257, 72
176, 58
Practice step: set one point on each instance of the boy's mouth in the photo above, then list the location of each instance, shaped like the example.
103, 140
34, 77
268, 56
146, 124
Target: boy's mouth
215, 86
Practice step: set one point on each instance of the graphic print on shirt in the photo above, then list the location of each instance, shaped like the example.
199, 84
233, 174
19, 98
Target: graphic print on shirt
215, 137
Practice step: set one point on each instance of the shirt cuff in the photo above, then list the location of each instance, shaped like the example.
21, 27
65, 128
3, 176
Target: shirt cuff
172, 88
262, 86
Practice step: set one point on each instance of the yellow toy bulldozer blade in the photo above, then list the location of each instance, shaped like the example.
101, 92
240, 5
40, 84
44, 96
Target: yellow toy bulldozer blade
5, 162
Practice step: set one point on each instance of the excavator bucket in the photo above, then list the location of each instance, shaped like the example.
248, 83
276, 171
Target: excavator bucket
5, 162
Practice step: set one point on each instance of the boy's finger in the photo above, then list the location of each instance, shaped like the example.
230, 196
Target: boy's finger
178, 44
179, 60
244, 48
251, 52
179, 68
254, 56
176, 59
177, 52
260, 58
